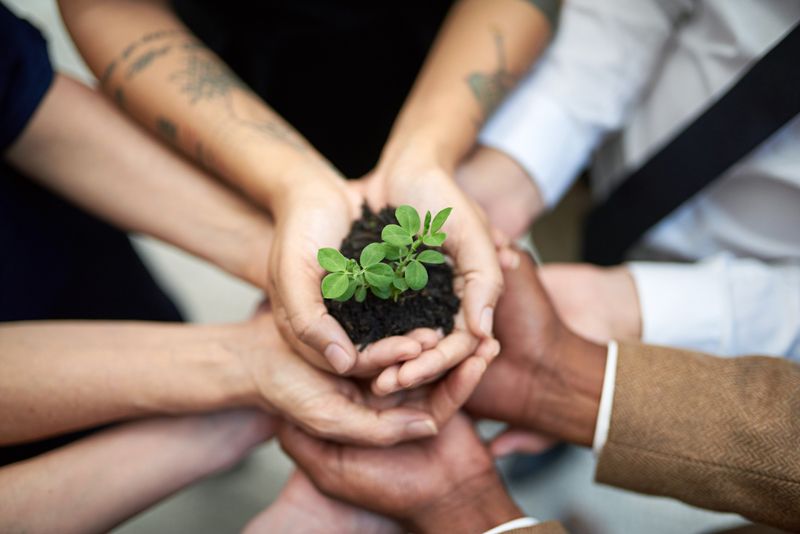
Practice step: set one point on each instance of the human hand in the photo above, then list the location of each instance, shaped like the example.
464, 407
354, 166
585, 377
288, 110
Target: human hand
502, 188
335, 408
300, 507
442, 484
598, 303
311, 215
412, 181
547, 378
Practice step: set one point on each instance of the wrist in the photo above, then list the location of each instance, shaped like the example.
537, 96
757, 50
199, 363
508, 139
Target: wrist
570, 383
477, 505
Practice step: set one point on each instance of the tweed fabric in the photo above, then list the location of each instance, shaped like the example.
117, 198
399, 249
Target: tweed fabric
721, 434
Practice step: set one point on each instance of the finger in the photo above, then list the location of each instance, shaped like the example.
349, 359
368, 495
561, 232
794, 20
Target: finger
350, 422
386, 352
449, 395
500, 238
479, 266
447, 354
427, 337
386, 382
516, 440
488, 350
509, 258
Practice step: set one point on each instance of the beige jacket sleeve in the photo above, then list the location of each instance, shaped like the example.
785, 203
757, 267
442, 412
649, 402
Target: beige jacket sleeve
721, 434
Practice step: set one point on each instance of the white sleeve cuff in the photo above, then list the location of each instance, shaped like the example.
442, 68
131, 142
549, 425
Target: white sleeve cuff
522, 522
606, 400
549, 143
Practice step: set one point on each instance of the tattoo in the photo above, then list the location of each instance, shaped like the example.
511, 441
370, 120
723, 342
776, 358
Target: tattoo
126, 53
167, 129
143, 61
203, 78
490, 88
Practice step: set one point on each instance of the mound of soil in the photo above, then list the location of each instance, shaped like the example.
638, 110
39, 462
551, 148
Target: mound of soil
374, 319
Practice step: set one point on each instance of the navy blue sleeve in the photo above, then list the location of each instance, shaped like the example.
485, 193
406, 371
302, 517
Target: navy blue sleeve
25, 74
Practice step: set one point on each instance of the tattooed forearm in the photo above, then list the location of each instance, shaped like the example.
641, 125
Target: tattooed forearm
126, 53
203, 78
144, 60
490, 88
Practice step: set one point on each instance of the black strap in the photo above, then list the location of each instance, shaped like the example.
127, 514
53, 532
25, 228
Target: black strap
765, 98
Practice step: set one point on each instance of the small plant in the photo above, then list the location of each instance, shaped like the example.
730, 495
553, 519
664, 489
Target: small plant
404, 267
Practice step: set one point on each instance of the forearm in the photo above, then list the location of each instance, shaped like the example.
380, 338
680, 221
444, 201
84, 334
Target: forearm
96, 483
78, 145
482, 49
160, 73
62, 376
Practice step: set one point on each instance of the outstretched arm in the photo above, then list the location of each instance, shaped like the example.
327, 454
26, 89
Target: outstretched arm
96, 483
483, 47
77, 144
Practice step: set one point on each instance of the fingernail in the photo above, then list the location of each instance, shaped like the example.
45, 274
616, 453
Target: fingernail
509, 259
495, 349
487, 318
498, 451
338, 358
422, 428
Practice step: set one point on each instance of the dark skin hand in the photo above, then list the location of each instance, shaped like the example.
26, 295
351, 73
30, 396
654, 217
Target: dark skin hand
442, 484
547, 379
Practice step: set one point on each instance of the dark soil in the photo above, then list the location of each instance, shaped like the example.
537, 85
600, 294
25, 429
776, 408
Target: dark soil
374, 319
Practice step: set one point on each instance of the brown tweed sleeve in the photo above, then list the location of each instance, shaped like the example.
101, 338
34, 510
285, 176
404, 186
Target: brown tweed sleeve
722, 434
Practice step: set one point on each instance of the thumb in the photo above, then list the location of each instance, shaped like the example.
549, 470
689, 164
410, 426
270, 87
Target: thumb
516, 440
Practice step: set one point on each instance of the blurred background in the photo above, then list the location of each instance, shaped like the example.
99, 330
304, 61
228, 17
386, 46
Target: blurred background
563, 490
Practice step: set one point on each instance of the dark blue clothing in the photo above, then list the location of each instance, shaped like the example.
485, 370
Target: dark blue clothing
25, 74
56, 261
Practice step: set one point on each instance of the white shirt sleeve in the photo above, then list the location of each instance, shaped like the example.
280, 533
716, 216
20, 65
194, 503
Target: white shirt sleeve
724, 305
606, 400
522, 522
599, 63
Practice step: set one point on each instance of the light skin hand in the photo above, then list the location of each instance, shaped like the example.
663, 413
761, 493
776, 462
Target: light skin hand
336, 408
502, 188
443, 484
598, 303
300, 507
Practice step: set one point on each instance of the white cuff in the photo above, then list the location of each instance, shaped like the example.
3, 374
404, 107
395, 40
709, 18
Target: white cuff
606, 400
549, 143
522, 522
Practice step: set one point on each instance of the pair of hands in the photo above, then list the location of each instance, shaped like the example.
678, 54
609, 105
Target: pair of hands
548, 380
317, 212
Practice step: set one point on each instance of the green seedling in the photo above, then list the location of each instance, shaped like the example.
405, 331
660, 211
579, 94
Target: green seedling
390, 267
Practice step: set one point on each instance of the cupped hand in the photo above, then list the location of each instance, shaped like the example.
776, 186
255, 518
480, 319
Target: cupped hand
426, 485
547, 379
309, 216
469, 243
336, 408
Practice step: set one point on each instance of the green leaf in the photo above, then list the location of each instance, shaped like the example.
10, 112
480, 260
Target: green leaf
416, 275
408, 218
396, 235
435, 240
331, 260
351, 288
361, 293
335, 285
379, 275
372, 254
381, 292
439, 220
431, 256
427, 225
400, 283
394, 253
